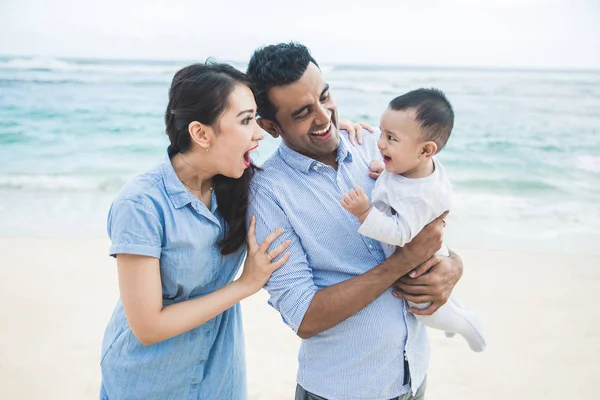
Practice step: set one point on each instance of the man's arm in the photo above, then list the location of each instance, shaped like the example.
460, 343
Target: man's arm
336, 303
305, 308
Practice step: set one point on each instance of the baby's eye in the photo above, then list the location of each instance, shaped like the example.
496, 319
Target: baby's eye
390, 137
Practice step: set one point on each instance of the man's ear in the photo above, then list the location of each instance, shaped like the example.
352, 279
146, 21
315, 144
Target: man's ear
428, 149
270, 126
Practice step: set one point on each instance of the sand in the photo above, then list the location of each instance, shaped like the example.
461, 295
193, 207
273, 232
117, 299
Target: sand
541, 318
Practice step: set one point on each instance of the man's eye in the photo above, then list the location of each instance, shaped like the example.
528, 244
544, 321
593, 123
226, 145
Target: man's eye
303, 114
325, 97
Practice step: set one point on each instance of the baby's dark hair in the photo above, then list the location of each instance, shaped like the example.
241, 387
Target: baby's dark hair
433, 112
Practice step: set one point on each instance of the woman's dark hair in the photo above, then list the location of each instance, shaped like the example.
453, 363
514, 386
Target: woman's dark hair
200, 92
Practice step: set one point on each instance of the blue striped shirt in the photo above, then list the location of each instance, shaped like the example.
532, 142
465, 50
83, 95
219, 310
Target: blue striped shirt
361, 358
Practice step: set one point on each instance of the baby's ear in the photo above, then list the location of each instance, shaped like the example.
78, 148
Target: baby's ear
428, 149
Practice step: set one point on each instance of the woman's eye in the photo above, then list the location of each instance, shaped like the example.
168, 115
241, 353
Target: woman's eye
246, 121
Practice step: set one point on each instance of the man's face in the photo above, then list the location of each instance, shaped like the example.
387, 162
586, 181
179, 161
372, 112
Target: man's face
307, 116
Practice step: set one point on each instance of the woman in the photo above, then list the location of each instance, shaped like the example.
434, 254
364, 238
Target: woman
178, 233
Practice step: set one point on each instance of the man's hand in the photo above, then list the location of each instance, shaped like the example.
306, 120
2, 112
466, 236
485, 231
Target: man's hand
376, 168
431, 281
355, 131
357, 203
423, 246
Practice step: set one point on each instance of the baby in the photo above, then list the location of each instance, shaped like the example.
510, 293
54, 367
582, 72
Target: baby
413, 191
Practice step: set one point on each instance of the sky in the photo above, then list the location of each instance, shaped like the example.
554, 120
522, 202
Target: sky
470, 33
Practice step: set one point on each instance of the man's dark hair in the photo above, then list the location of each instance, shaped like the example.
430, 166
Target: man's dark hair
276, 65
433, 112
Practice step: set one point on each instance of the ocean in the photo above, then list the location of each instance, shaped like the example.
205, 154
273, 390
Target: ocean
524, 156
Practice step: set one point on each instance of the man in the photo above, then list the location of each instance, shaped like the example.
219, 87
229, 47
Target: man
360, 342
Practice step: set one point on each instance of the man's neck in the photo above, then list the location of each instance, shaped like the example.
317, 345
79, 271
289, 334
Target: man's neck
329, 159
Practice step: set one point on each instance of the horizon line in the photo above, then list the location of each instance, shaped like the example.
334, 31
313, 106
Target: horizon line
533, 68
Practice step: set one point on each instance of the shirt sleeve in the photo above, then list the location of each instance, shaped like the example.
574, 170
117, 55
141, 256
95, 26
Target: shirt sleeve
134, 229
412, 214
291, 287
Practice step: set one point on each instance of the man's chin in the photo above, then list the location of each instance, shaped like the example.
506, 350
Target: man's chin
334, 140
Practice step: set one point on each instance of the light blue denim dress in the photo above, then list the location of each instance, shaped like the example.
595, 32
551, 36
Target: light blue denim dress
155, 215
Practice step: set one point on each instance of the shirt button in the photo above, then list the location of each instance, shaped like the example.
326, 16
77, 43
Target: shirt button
370, 246
316, 167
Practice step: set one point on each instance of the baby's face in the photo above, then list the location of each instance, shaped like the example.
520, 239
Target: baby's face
401, 141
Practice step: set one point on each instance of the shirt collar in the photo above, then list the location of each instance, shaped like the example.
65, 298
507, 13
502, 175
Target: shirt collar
303, 163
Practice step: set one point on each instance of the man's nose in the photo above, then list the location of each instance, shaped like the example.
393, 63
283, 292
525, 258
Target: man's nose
323, 115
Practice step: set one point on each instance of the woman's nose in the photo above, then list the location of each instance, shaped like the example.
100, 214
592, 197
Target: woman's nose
259, 134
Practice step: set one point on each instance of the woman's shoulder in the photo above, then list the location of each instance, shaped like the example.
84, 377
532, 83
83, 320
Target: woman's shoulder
146, 189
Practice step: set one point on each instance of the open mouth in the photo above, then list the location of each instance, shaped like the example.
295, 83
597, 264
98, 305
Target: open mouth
324, 133
386, 159
247, 156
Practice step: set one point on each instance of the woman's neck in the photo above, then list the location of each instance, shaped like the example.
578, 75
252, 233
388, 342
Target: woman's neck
193, 174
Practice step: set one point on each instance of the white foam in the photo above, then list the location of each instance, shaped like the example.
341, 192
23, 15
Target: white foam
588, 163
58, 65
59, 183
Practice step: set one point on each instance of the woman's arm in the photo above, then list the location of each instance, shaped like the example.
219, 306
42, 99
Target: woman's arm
141, 291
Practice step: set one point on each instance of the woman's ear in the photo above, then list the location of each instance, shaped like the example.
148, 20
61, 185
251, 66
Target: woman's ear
201, 134
269, 126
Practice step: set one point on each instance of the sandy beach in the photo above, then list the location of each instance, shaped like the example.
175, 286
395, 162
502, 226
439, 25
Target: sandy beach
541, 317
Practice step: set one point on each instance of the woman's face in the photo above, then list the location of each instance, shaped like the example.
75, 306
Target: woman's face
237, 134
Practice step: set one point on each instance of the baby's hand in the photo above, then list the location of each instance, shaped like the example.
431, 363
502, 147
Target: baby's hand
376, 168
357, 203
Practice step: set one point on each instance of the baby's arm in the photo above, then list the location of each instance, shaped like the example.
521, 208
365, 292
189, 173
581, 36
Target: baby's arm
357, 203
412, 214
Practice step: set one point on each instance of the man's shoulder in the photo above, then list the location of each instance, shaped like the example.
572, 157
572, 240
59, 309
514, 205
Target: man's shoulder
273, 170
368, 149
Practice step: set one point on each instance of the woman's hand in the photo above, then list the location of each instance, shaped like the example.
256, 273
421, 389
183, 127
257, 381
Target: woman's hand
260, 262
355, 131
